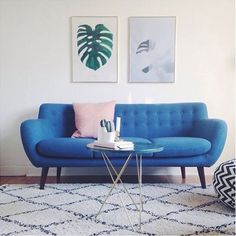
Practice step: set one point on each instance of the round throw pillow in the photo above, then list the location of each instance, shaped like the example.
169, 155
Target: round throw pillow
224, 182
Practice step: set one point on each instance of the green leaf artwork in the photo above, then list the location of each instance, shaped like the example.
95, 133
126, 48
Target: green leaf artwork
94, 46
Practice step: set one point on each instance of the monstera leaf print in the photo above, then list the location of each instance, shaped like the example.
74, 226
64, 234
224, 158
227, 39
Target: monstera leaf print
94, 46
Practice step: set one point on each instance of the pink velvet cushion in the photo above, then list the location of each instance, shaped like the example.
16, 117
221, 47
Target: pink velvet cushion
88, 116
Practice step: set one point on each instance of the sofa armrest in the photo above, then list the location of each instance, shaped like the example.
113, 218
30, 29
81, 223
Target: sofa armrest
32, 131
214, 130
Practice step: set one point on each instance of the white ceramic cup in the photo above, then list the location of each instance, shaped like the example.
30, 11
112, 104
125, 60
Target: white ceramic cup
109, 137
104, 136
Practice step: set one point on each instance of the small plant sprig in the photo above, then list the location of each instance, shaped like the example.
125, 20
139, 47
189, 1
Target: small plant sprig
109, 125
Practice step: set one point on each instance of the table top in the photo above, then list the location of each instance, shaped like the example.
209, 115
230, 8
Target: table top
139, 148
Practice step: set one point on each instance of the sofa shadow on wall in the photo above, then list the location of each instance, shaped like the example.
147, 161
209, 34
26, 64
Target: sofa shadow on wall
12, 164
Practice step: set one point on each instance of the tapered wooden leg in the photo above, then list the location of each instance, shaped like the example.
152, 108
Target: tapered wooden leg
58, 174
44, 174
183, 172
201, 176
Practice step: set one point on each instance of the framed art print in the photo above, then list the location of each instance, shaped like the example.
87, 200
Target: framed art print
94, 49
152, 49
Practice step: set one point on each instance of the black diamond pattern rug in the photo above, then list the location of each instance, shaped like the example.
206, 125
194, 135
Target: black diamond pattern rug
70, 209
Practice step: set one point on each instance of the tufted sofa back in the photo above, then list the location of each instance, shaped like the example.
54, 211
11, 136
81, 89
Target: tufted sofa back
159, 120
137, 120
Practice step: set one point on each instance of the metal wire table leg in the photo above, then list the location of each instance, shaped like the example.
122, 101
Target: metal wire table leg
122, 201
115, 182
139, 174
111, 168
126, 190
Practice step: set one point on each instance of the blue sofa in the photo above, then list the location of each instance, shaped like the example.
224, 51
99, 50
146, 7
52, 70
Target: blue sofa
189, 137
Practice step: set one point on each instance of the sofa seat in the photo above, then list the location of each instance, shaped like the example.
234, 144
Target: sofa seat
65, 148
76, 148
181, 146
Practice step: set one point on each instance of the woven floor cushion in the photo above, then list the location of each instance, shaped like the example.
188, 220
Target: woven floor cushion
224, 182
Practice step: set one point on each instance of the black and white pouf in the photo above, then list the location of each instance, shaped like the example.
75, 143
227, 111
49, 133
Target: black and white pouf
224, 182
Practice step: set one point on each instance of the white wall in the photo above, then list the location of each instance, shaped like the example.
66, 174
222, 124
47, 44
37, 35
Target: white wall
35, 62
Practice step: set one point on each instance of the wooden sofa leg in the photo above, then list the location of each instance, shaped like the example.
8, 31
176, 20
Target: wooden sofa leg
183, 172
201, 176
44, 174
58, 174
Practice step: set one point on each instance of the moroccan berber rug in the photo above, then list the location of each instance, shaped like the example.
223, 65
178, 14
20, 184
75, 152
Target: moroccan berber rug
70, 209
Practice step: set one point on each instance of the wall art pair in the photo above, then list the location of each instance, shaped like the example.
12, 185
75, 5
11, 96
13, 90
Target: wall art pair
151, 49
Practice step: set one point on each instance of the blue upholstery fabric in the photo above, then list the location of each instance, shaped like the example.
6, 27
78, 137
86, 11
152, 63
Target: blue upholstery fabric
32, 132
61, 117
181, 146
159, 120
215, 131
65, 147
46, 139
76, 148
136, 139
137, 120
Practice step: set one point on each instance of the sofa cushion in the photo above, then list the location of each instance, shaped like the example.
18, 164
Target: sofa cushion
181, 146
136, 139
89, 115
65, 147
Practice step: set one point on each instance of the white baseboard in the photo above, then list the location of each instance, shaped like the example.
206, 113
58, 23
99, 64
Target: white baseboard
131, 171
66, 171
